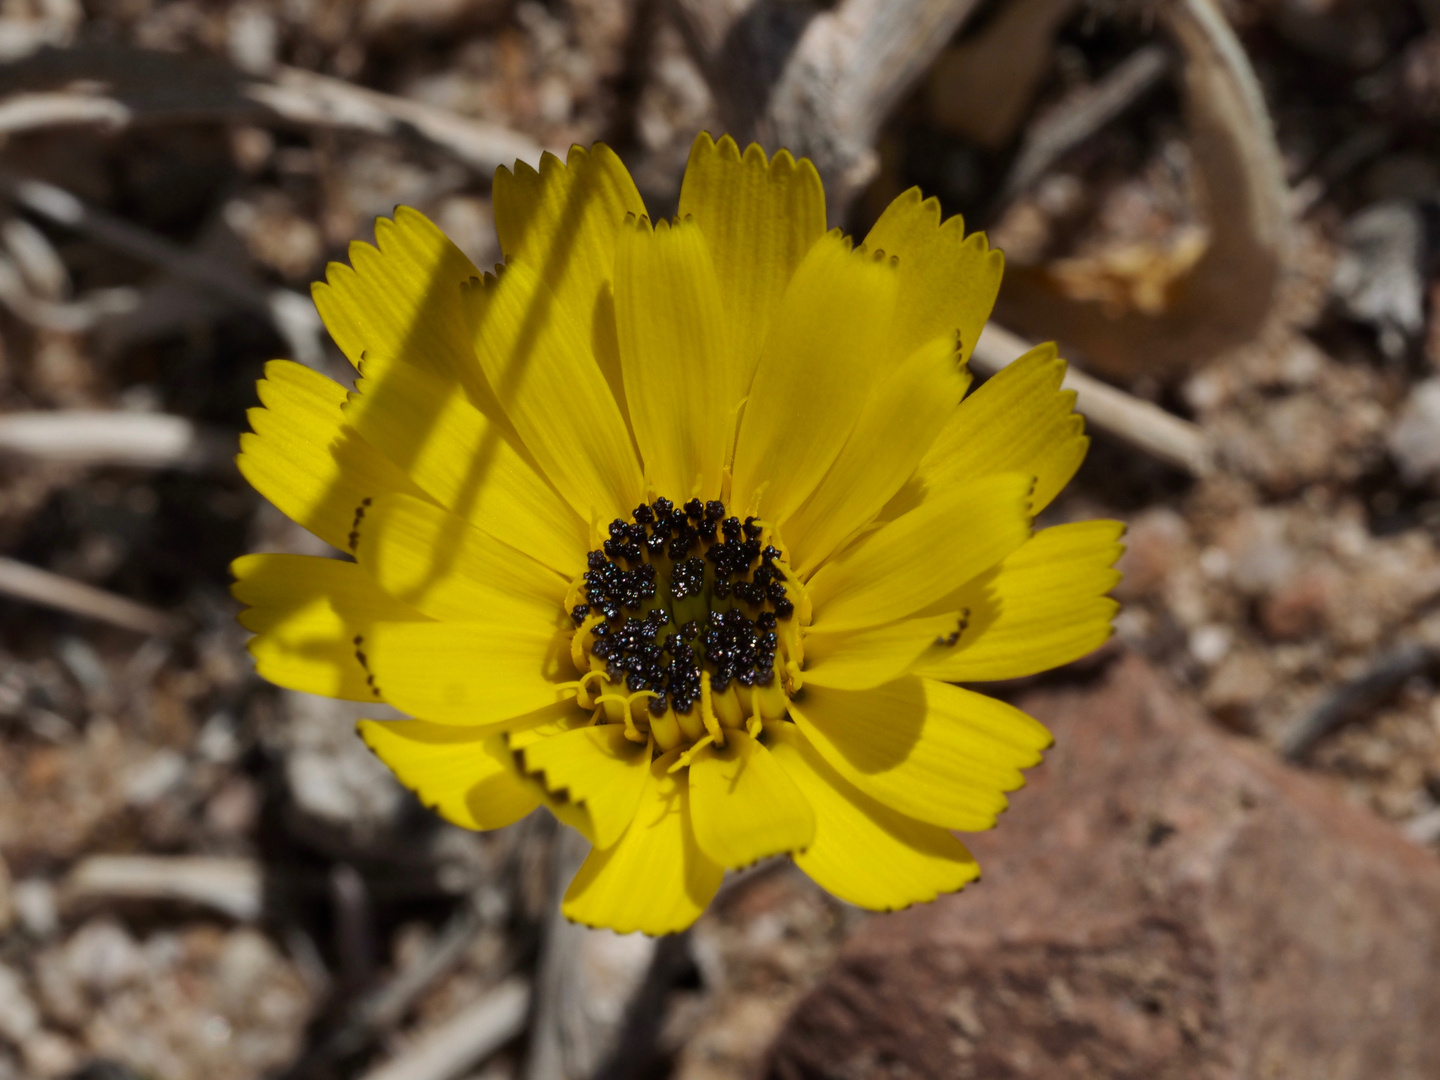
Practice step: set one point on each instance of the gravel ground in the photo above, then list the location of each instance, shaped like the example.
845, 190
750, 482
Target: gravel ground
1305, 561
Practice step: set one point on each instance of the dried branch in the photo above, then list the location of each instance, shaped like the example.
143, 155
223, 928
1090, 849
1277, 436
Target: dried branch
72, 317
292, 315
1357, 696
819, 83
1228, 295
32, 112
231, 886
1140, 423
383, 1008
464, 1040
304, 97
1081, 114
582, 974
143, 440
981, 88
20, 581
145, 87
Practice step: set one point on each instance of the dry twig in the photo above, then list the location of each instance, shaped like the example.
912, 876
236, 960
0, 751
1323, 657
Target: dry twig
20, 581
584, 975
144, 440
1228, 295
980, 88
293, 315
231, 886
819, 83
115, 86
74, 317
384, 1007
1081, 114
32, 112
1140, 423
321, 101
1357, 696
464, 1040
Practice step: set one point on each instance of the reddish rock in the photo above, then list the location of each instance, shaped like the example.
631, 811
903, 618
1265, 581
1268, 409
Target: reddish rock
1302, 605
1155, 544
1163, 902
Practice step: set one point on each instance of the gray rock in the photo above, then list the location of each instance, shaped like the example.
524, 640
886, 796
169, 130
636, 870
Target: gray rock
1378, 276
1414, 441
35, 907
19, 1018
331, 774
102, 957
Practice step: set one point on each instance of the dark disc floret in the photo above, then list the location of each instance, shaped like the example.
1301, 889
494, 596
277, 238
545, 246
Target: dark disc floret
668, 554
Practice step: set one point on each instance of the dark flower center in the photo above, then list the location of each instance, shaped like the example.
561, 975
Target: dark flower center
680, 592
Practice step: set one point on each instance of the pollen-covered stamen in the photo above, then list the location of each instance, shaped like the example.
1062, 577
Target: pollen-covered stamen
683, 604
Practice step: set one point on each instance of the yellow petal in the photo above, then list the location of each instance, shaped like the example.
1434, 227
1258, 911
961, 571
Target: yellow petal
449, 569
597, 768
548, 723
899, 421
538, 360
526, 730
306, 614
656, 879
759, 219
744, 806
562, 221
948, 282
680, 379
860, 659
815, 373
428, 427
307, 460
927, 749
1020, 420
864, 852
1044, 606
949, 539
469, 673
402, 298
465, 775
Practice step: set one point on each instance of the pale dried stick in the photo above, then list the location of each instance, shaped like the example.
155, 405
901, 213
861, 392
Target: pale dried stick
1352, 699
321, 101
819, 83
1082, 113
294, 95
33, 111
292, 315
70, 317
231, 886
1142, 424
21, 581
142, 440
464, 1040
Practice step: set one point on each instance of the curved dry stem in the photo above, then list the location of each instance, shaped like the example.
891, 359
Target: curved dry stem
819, 83
1228, 295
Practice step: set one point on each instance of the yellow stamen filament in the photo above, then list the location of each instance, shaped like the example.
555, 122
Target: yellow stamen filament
580, 698
707, 711
683, 761
793, 679
578, 639
632, 733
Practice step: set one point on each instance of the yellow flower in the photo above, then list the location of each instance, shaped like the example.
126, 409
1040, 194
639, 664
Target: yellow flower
682, 530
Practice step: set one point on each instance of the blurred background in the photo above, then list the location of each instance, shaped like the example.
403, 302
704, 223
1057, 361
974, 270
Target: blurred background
1228, 214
